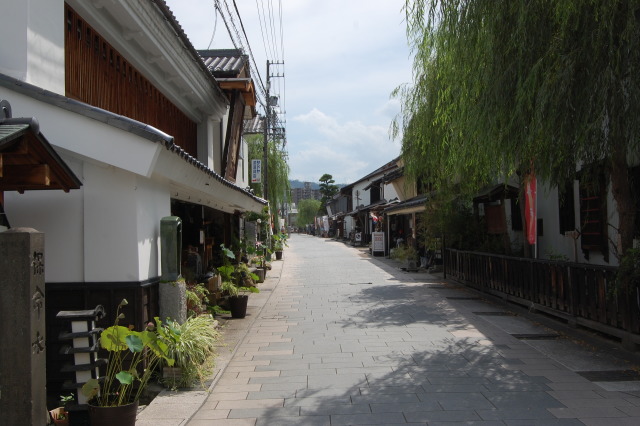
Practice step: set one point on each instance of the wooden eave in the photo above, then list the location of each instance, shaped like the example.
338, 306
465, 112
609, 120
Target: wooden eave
28, 162
496, 193
244, 85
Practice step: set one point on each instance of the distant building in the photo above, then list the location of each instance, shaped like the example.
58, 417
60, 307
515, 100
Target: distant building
305, 193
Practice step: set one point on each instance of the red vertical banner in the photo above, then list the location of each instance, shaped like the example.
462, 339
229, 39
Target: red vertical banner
530, 208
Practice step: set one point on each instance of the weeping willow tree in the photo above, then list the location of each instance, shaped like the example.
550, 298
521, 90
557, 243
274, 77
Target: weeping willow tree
277, 171
307, 211
502, 87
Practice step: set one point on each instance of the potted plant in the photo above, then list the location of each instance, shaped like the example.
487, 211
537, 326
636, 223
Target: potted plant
260, 268
237, 282
238, 298
279, 243
192, 346
132, 359
60, 415
408, 255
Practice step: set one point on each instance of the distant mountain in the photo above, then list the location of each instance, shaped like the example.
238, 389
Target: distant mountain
300, 184
314, 185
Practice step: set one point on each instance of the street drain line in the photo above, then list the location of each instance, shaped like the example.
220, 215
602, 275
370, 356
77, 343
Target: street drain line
536, 336
495, 314
610, 376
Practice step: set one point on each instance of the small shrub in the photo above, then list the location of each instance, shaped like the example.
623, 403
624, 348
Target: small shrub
404, 252
628, 275
196, 296
192, 345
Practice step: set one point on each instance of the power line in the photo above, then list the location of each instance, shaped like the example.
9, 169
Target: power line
268, 21
215, 26
236, 43
236, 39
250, 52
272, 26
264, 38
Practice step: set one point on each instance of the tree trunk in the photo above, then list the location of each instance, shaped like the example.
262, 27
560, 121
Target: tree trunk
621, 189
527, 252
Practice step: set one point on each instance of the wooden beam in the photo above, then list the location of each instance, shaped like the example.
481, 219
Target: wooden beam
18, 154
238, 84
249, 98
25, 175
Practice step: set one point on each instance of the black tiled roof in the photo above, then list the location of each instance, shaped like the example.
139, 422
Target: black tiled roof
224, 62
119, 121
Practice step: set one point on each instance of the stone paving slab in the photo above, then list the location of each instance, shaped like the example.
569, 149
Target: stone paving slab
340, 338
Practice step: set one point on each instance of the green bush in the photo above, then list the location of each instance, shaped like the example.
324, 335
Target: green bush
192, 346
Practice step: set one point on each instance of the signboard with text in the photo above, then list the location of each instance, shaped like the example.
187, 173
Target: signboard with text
377, 241
256, 171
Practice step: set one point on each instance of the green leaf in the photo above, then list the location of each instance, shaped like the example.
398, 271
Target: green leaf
91, 388
114, 338
134, 342
228, 252
124, 377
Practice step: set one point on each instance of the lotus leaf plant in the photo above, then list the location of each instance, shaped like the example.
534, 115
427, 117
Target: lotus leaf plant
132, 359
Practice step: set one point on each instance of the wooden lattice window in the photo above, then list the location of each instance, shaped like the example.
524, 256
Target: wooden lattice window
593, 215
97, 74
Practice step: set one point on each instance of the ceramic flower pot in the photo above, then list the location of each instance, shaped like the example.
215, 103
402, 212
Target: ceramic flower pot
238, 306
123, 415
59, 416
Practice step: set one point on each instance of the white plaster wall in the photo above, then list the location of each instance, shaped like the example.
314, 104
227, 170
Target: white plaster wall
242, 174
153, 202
348, 225
363, 196
107, 231
552, 242
85, 136
13, 24
110, 234
60, 216
45, 41
32, 47
205, 145
390, 192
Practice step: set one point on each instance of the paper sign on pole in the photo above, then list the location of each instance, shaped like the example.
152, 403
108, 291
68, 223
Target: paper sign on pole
256, 171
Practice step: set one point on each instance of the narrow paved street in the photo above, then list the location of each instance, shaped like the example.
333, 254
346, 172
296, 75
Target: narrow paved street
339, 338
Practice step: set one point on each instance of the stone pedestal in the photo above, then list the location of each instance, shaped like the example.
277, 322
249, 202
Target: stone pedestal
173, 301
22, 328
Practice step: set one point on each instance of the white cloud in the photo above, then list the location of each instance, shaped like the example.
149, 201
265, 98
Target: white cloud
342, 60
346, 150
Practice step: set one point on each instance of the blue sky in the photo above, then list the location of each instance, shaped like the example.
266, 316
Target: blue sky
342, 60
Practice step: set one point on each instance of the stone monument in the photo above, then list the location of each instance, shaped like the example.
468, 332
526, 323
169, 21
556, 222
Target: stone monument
22, 328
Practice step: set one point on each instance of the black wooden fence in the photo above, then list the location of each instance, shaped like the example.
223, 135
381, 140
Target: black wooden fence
579, 293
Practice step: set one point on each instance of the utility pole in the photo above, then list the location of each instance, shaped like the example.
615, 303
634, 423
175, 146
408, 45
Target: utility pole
267, 125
